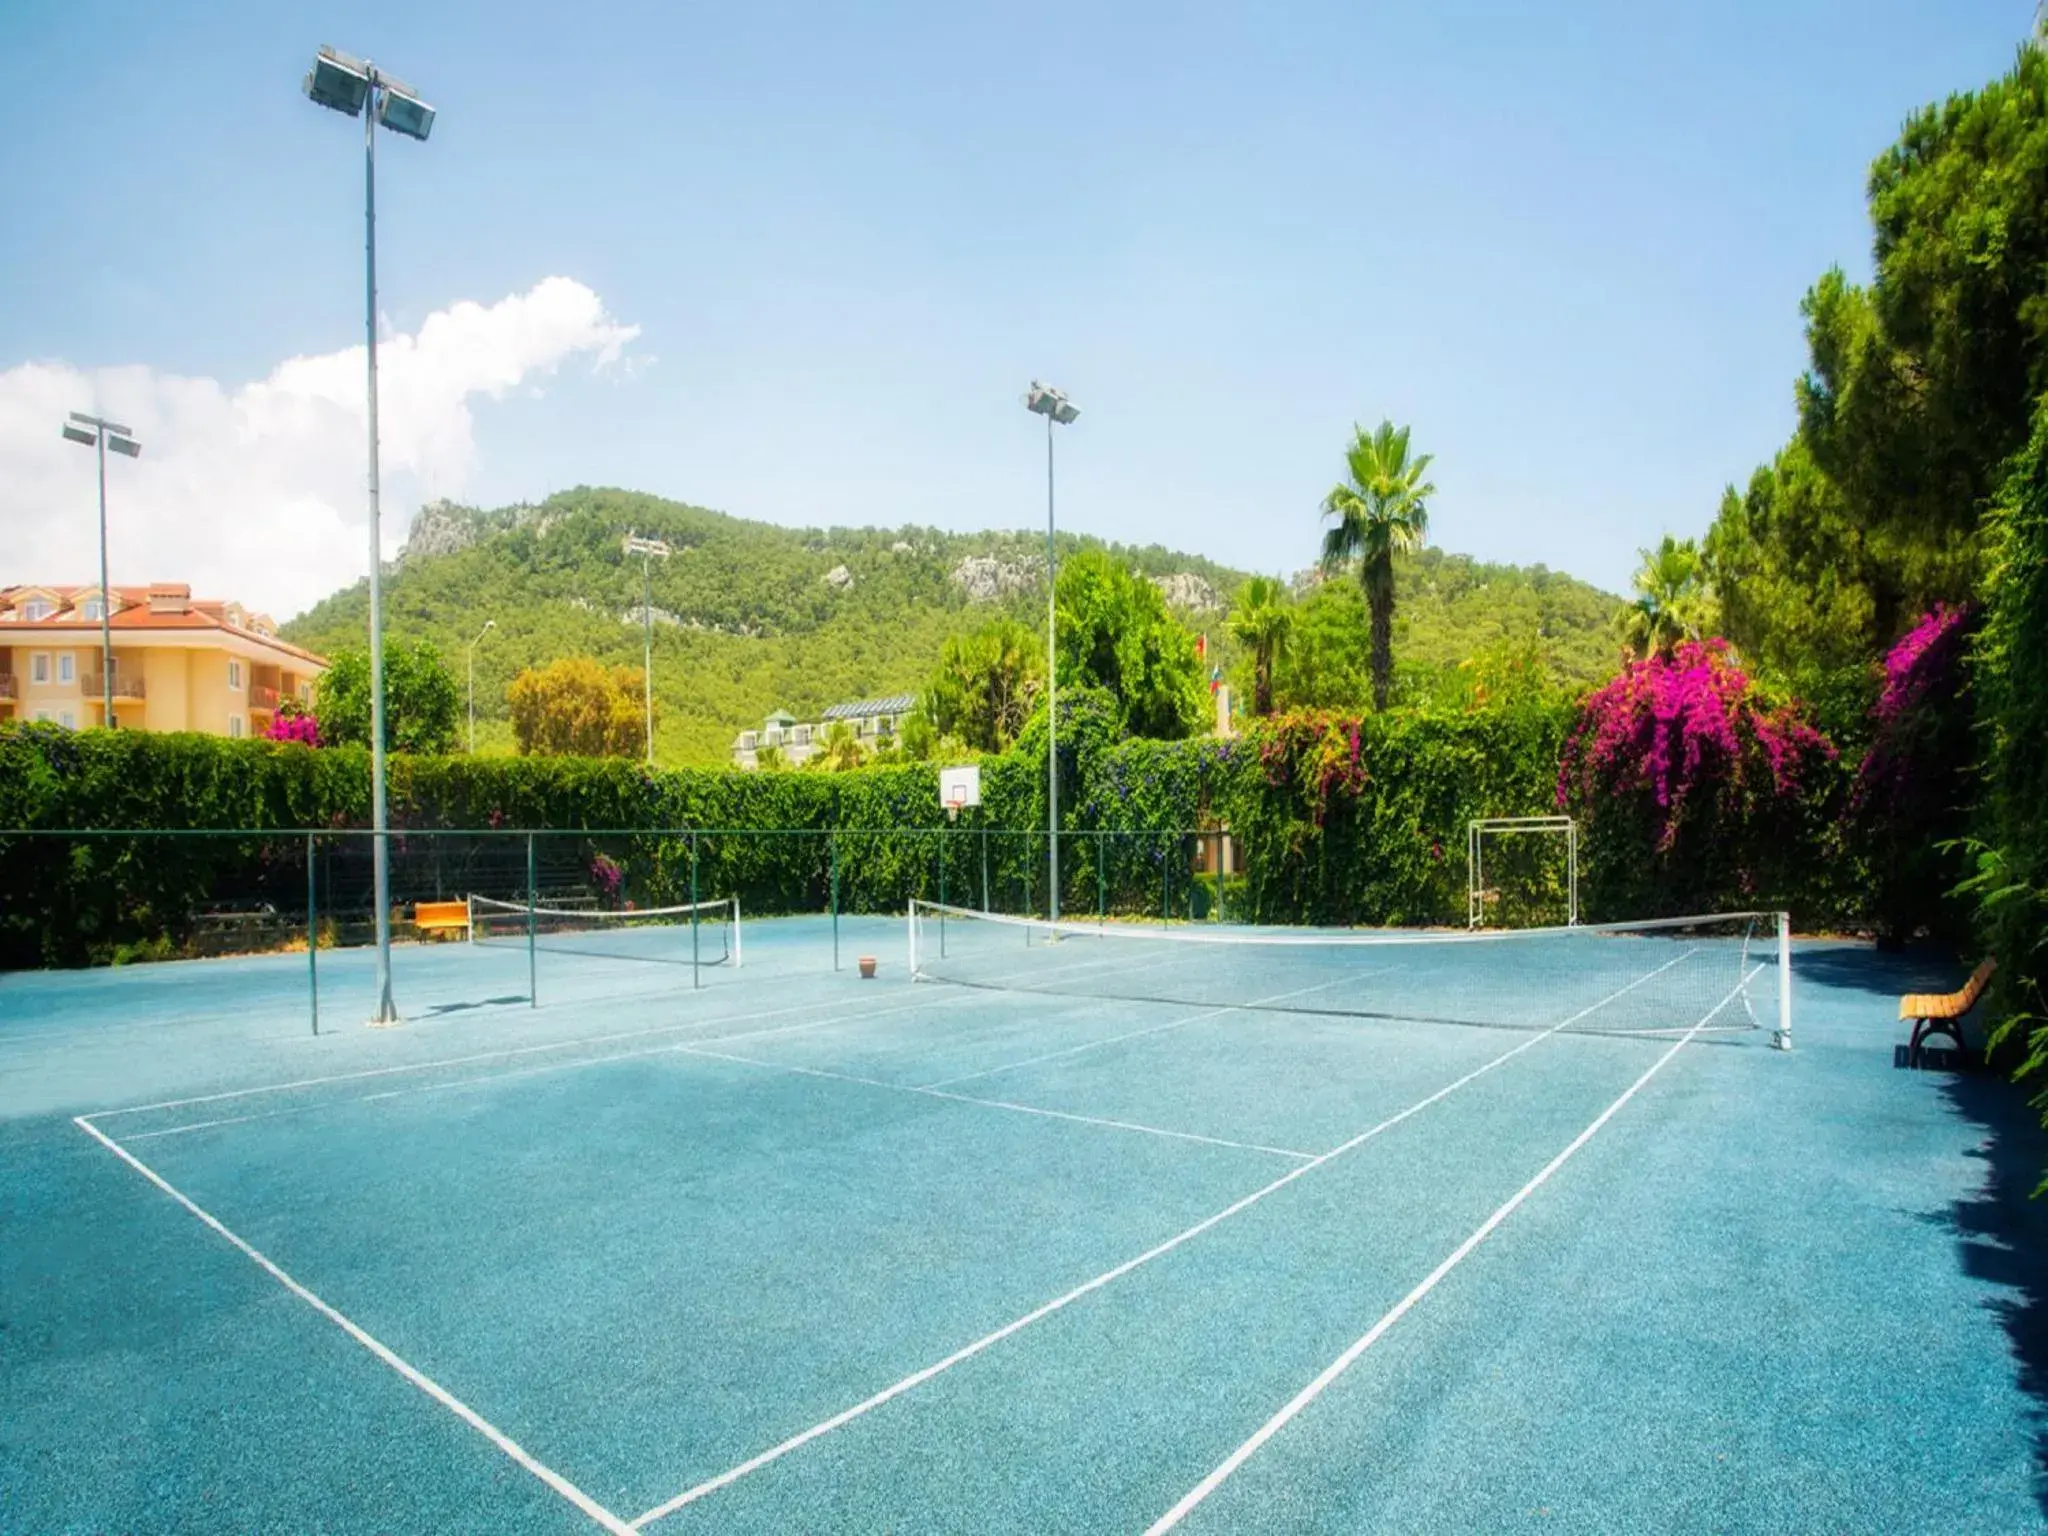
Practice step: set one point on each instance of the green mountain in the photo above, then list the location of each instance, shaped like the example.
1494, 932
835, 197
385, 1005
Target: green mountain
751, 617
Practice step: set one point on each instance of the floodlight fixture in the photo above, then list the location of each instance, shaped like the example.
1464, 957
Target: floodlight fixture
126, 446
402, 112
339, 81
80, 435
1051, 403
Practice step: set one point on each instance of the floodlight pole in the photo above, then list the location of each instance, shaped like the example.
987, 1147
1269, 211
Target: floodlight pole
355, 88
1052, 701
106, 597
647, 549
380, 855
1054, 406
124, 442
489, 625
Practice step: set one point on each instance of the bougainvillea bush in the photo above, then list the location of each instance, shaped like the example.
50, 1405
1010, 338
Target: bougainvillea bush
1910, 803
290, 724
1694, 788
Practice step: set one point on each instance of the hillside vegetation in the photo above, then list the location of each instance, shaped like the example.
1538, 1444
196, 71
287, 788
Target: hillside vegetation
751, 617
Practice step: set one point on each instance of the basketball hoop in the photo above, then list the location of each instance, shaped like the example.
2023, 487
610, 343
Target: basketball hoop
958, 789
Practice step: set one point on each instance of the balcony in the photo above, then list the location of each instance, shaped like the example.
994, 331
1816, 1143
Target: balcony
263, 696
126, 686
9, 689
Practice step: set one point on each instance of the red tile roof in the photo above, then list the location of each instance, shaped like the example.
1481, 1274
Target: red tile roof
134, 614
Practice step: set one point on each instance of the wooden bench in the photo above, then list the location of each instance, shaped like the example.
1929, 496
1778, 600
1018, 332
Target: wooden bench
1941, 1013
439, 917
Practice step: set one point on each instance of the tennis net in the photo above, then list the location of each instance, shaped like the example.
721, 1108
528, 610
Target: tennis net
699, 933
1721, 973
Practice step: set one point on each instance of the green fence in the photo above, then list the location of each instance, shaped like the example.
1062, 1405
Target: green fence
112, 897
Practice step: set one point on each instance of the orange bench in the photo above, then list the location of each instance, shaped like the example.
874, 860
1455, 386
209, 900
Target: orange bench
438, 917
1941, 1013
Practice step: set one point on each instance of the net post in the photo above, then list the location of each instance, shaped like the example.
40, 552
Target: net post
532, 934
696, 968
942, 866
910, 926
312, 936
1165, 882
1222, 871
1783, 1038
832, 855
984, 868
739, 958
1101, 882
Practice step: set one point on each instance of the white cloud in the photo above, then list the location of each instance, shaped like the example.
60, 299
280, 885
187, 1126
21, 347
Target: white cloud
256, 492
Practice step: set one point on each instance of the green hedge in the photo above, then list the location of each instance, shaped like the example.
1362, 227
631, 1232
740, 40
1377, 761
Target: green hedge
1338, 820
2010, 663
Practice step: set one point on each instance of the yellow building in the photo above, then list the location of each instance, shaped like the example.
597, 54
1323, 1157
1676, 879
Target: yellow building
178, 665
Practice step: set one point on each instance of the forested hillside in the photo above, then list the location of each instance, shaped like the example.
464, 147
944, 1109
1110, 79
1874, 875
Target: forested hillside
750, 617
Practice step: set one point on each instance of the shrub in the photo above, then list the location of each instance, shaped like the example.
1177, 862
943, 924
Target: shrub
1909, 805
1694, 788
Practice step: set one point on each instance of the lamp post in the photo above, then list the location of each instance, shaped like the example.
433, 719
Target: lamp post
489, 625
647, 550
104, 435
1054, 406
357, 88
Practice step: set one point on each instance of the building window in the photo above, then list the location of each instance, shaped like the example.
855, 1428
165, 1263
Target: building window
93, 608
800, 737
35, 608
236, 728
748, 741
39, 670
43, 715
67, 667
66, 719
234, 674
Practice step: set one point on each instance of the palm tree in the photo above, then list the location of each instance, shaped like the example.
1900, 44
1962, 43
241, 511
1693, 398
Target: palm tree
1381, 511
1262, 619
842, 748
1674, 600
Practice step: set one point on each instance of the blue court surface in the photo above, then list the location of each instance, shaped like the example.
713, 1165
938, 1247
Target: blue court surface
1088, 1238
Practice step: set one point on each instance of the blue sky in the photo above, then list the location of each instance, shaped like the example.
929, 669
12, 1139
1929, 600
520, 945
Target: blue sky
1565, 243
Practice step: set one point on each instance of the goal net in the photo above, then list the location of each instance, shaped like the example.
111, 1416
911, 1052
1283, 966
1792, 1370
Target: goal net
1522, 872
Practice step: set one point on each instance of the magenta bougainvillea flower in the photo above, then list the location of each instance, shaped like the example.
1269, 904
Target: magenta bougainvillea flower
1913, 745
1683, 728
290, 726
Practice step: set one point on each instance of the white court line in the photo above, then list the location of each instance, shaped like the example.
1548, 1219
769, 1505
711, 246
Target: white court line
418, 1378
1150, 1029
492, 1077
1400, 1309
961, 1098
510, 1052
969, 1351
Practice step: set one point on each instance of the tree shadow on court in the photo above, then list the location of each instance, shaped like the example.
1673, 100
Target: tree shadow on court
2002, 1230
1864, 968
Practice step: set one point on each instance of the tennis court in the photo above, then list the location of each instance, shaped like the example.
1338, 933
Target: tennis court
1114, 1229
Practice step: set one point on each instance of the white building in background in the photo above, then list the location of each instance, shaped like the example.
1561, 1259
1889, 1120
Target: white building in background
875, 723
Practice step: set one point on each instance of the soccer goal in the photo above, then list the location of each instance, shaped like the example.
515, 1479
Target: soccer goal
1522, 871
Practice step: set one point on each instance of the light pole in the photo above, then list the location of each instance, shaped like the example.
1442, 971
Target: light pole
104, 435
647, 550
350, 86
489, 625
1054, 407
